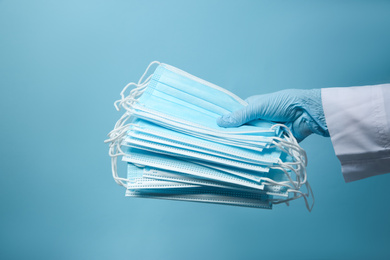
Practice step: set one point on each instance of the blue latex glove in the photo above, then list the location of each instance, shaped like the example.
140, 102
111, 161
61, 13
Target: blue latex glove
301, 110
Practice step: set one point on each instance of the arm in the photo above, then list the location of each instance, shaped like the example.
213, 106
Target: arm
356, 118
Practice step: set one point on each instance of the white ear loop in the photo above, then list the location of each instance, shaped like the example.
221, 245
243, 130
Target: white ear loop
118, 134
290, 146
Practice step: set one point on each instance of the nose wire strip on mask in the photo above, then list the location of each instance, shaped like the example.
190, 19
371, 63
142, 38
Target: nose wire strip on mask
286, 142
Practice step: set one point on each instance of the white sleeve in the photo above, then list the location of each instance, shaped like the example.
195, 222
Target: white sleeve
358, 120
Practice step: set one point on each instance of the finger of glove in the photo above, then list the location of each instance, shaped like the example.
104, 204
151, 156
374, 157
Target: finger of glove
277, 107
301, 127
237, 118
257, 108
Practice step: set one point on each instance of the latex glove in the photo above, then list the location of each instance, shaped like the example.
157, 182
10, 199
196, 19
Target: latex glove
300, 110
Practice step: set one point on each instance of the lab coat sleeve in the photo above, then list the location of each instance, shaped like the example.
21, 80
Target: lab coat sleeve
358, 120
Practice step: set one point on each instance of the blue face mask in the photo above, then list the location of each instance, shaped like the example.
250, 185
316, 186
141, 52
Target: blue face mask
172, 97
170, 130
144, 187
169, 163
158, 175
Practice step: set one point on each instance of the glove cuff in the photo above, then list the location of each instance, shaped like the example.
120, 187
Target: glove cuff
313, 106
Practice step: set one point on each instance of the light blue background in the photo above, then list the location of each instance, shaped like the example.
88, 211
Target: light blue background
63, 64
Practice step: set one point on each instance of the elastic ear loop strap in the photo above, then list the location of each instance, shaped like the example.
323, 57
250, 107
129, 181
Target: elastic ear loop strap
299, 155
117, 135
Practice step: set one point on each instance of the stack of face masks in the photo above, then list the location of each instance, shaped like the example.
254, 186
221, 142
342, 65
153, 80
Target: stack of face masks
175, 150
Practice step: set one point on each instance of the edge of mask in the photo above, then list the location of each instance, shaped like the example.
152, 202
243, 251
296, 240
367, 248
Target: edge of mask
199, 182
240, 178
137, 174
265, 205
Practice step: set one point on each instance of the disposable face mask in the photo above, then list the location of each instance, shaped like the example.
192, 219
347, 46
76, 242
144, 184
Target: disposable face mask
164, 162
167, 168
235, 139
196, 101
173, 151
142, 130
209, 196
169, 142
147, 128
147, 188
170, 123
138, 181
171, 99
201, 171
142, 126
162, 175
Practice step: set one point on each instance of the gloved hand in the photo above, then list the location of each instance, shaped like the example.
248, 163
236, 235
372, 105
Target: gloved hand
301, 110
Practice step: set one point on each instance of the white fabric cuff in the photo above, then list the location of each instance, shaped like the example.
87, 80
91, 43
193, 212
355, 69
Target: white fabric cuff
357, 122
